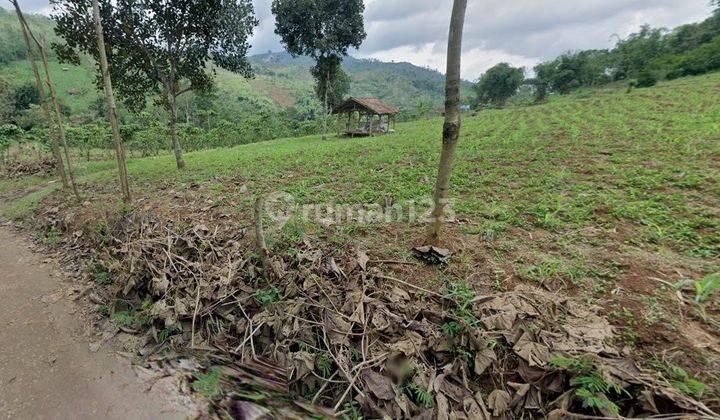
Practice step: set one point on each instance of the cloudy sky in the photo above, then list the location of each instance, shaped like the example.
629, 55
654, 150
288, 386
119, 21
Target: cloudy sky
522, 32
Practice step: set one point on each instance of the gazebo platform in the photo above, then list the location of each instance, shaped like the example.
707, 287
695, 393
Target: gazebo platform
367, 109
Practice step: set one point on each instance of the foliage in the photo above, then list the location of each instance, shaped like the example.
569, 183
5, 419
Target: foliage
572, 70
498, 84
703, 289
267, 297
147, 55
319, 28
650, 53
208, 384
589, 383
329, 76
25, 95
645, 79
680, 379
323, 30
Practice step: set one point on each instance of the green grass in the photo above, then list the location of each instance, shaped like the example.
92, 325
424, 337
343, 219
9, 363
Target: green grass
26, 205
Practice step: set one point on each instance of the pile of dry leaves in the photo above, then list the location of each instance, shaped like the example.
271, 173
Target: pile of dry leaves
21, 168
329, 333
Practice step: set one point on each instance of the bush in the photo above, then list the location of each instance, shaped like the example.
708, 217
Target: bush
646, 79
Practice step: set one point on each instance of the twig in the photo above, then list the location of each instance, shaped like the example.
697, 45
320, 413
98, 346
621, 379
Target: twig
252, 333
394, 262
260, 243
197, 305
322, 388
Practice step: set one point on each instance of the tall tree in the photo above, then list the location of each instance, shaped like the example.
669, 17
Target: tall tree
323, 30
42, 97
160, 46
499, 84
107, 83
451, 128
58, 116
332, 84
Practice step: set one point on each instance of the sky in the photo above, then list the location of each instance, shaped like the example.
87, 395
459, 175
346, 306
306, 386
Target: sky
519, 32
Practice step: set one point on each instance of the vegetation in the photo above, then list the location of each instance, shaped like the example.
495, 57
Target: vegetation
498, 84
323, 30
160, 47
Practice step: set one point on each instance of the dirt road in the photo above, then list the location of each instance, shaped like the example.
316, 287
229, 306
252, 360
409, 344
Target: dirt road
47, 370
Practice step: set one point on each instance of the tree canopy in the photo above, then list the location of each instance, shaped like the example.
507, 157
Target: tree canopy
319, 28
498, 84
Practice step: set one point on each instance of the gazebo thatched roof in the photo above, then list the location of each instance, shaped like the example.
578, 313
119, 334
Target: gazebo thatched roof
368, 105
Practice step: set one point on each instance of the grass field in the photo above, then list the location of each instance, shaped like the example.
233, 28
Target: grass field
605, 195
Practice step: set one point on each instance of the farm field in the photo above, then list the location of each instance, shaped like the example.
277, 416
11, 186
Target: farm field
611, 198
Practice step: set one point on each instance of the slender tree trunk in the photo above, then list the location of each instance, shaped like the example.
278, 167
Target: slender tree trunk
325, 106
173, 130
58, 116
43, 98
451, 128
107, 81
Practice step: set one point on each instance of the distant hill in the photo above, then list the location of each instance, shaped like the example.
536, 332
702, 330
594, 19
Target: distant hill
403, 84
281, 81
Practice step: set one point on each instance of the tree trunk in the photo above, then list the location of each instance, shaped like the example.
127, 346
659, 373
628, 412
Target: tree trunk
107, 81
325, 106
58, 116
173, 130
451, 128
43, 98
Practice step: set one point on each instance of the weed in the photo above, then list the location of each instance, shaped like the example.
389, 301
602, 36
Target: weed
51, 238
351, 411
324, 365
679, 378
463, 295
208, 384
421, 395
703, 289
452, 329
266, 297
589, 383
167, 332
101, 277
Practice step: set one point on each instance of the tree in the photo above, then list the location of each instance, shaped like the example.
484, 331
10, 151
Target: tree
332, 83
41, 95
323, 30
499, 84
159, 46
107, 84
451, 127
25, 95
632, 54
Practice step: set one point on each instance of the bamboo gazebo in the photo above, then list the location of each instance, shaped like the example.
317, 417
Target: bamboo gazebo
378, 116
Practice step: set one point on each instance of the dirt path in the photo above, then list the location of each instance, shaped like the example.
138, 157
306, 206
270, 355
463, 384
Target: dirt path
46, 367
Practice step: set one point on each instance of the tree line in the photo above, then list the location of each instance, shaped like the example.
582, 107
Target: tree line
641, 60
